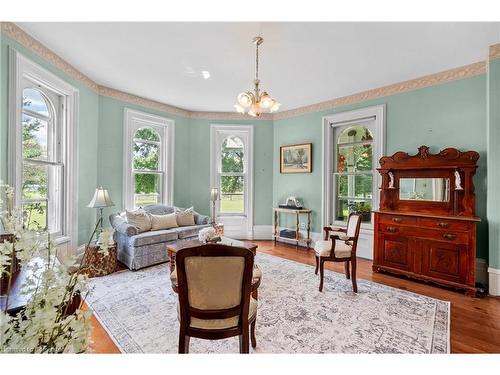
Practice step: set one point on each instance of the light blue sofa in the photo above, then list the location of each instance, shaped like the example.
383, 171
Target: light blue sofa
139, 250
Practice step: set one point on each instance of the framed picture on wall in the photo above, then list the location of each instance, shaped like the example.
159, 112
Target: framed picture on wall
296, 158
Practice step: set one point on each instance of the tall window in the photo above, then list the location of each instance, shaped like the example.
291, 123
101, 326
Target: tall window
231, 171
148, 168
42, 167
43, 149
353, 170
232, 176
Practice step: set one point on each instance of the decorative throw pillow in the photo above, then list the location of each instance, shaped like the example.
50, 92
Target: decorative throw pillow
159, 222
139, 219
185, 217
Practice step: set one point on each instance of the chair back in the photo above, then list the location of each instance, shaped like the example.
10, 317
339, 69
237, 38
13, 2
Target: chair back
353, 228
214, 282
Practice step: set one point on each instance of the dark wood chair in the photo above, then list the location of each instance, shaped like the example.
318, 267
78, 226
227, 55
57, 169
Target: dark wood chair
214, 287
339, 247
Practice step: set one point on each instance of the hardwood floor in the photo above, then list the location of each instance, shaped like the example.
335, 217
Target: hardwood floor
475, 322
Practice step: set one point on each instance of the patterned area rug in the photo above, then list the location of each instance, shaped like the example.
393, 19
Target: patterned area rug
138, 309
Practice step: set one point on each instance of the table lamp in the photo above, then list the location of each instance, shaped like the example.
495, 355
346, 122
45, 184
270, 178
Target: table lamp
214, 196
100, 200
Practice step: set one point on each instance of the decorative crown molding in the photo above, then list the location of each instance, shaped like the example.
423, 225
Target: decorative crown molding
494, 52
396, 88
17, 34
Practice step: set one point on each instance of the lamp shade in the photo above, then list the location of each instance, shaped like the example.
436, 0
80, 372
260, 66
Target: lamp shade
101, 199
214, 194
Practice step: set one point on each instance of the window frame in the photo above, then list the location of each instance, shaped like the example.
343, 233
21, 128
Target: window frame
22, 69
237, 224
133, 121
377, 113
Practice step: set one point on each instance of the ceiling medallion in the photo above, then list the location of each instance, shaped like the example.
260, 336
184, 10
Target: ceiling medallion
254, 103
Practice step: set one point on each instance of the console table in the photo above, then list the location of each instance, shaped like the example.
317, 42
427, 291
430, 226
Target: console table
297, 213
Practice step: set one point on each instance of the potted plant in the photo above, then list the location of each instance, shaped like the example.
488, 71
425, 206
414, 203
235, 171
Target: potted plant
365, 209
53, 320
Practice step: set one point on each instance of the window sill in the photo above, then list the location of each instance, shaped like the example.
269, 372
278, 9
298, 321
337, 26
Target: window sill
59, 240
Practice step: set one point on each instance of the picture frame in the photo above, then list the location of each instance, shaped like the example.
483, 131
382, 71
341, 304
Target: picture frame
296, 158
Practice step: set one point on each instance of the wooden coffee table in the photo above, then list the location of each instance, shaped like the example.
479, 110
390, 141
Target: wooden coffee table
172, 249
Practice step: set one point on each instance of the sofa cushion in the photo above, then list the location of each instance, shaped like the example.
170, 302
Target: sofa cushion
159, 222
139, 219
190, 231
185, 217
157, 236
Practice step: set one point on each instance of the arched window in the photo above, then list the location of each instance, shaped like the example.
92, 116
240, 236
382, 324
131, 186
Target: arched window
354, 170
232, 176
148, 167
42, 180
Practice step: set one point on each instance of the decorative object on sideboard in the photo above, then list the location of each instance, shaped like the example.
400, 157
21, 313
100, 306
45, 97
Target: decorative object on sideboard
391, 180
214, 197
426, 226
254, 103
292, 203
296, 158
100, 200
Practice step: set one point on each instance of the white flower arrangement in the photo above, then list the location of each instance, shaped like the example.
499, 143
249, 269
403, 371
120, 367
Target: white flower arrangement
207, 234
53, 320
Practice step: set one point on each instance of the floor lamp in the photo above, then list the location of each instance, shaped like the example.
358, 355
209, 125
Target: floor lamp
100, 200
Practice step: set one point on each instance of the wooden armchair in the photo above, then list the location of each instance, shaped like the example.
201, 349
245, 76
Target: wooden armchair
339, 247
214, 285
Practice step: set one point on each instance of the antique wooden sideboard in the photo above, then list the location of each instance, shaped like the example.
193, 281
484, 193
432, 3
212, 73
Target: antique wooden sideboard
425, 227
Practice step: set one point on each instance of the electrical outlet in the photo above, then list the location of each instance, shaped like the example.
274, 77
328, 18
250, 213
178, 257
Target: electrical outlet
302, 225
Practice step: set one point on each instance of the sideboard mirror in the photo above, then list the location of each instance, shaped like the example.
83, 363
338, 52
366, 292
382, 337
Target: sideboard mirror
432, 189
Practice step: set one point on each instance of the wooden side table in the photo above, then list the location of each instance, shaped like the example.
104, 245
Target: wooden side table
297, 213
97, 264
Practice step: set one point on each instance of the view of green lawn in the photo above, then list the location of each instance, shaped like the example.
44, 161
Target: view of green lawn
232, 204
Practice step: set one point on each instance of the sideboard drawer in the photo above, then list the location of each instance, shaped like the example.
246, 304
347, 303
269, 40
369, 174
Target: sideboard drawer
443, 224
398, 219
443, 235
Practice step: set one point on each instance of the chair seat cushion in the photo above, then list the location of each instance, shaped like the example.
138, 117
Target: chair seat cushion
323, 249
221, 323
149, 238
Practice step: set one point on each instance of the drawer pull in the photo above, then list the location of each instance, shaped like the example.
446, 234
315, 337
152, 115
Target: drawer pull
449, 236
397, 219
392, 229
442, 224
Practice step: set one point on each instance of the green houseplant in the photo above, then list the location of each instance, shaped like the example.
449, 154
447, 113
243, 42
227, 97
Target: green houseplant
365, 209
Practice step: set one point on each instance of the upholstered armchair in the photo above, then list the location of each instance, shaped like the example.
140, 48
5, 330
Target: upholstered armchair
340, 246
214, 284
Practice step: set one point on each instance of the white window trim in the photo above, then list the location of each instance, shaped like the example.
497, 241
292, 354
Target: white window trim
245, 132
340, 119
167, 153
21, 67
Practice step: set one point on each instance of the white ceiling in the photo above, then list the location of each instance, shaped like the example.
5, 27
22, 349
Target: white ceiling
301, 63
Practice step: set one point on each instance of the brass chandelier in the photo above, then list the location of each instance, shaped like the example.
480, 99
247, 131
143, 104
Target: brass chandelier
254, 103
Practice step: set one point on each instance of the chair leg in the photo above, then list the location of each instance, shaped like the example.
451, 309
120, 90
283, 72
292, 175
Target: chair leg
317, 265
346, 267
244, 345
252, 334
354, 283
183, 343
321, 274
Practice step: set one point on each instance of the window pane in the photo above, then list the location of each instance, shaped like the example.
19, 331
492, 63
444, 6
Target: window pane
35, 181
232, 155
34, 101
354, 158
355, 133
35, 133
35, 215
232, 194
147, 189
147, 134
146, 156
346, 206
354, 186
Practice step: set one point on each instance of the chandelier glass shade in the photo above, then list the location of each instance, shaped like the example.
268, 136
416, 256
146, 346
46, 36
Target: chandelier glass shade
256, 102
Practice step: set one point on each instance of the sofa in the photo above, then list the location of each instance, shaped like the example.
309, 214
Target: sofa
139, 250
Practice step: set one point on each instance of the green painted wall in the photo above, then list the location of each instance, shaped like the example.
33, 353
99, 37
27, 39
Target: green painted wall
199, 165
88, 124
493, 92
452, 114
